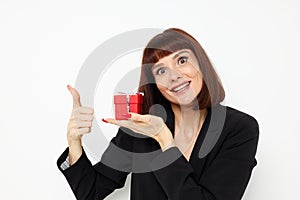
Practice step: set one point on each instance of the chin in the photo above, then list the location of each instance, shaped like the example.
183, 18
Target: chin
186, 103
192, 103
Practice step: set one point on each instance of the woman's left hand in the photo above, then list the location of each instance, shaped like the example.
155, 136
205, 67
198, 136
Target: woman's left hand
149, 125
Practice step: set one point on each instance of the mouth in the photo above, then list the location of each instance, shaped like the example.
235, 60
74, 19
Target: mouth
180, 87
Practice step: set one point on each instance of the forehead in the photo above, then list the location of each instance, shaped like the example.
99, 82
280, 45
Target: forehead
174, 55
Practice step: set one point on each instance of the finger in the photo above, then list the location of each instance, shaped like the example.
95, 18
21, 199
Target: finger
141, 118
84, 110
82, 124
75, 95
123, 123
82, 131
110, 120
84, 117
132, 125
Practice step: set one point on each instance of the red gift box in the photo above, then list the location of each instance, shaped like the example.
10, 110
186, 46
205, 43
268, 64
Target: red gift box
125, 103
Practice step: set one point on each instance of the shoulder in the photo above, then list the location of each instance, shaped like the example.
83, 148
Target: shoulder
239, 136
240, 123
234, 115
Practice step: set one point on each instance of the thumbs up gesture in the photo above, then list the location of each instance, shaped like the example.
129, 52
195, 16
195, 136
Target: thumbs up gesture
81, 118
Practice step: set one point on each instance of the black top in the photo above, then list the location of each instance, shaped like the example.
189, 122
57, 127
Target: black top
219, 167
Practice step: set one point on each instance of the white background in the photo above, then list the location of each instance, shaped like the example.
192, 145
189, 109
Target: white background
252, 44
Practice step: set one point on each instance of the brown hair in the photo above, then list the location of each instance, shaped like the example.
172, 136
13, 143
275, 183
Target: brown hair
165, 43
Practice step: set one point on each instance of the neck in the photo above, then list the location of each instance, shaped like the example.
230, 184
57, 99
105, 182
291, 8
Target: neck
187, 120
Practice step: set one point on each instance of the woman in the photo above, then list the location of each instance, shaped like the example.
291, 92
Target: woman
205, 150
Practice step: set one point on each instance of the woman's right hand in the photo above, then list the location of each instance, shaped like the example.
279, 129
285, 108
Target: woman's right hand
80, 123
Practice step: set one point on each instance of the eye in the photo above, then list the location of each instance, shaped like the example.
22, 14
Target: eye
160, 71
182, 60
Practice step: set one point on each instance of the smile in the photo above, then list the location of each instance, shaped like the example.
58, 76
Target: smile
181, 88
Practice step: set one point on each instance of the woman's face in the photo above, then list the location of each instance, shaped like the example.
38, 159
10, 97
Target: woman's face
178, 77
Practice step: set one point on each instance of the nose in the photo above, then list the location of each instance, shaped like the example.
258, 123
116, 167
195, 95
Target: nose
174, 76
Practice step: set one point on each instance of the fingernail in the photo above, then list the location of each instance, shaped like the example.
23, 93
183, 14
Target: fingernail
104, 120
69, 87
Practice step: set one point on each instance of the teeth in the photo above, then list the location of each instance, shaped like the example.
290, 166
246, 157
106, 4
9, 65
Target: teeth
181, 87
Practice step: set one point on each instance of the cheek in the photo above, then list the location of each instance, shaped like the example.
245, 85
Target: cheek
161, 88
190, 71
195, 72
199, 84
164, 91
197, 79
161, 83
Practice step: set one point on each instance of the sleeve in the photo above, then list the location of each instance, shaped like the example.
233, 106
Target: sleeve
227, 176
66, 164
90, 182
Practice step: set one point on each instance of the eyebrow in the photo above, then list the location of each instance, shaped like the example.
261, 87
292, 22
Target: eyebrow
175, 56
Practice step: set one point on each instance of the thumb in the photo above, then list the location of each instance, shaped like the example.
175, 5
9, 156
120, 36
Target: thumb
75, 95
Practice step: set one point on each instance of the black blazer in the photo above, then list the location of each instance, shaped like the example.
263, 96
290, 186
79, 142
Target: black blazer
222, 174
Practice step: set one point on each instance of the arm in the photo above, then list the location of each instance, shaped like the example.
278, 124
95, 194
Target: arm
98, 181
225, 179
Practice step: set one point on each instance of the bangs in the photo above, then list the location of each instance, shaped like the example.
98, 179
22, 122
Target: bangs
164, 45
